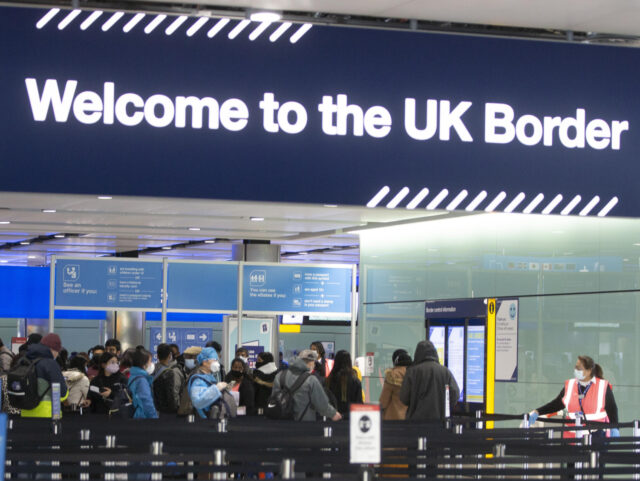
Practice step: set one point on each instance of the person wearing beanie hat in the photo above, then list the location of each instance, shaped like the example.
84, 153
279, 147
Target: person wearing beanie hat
204, 388
48, 372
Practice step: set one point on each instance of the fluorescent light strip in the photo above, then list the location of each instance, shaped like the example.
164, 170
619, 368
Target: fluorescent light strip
437, 199
552, 205
154, 23
196, 26
515, 203
476, 202
533, 204
175, 24
90, 19
259, 30
592, 203
418, 198
458, 199
69, 18
217, 27
496, 202
238, 28
278, 33
133, 22
612, 203
112, 21
398, 198
571, 205
300, 32
375, 200
47, 17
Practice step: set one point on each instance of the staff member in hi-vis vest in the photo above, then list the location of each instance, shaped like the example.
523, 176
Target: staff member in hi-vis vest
586, 396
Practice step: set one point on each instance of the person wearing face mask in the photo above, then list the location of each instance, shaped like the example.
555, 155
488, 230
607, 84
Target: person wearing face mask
107, 384
140, 379
243, 386
587, 396
190, 356
243, 354
203, 388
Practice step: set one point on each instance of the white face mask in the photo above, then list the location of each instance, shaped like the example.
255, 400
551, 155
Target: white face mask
579, 375
244, 359
150, 368
112, 368
190, 363
214, 366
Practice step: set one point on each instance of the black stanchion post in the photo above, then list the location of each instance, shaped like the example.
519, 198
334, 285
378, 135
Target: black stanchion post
499, 451
110, 443
191, 418
636, 434
525, 422
218, 460
222, 425
422, 448
287, 468
327, 432
156, 450
479, 424
85, 435
365, 473
594, 462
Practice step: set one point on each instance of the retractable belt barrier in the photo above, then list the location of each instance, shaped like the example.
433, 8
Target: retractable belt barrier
91, 447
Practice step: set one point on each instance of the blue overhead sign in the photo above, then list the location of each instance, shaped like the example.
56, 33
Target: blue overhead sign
184, 337
400, 115
455, 309
285, 288
108, 284
203, 287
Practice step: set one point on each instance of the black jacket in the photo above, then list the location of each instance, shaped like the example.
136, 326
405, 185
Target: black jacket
347, 393
263, 378
116, 382
423, 387
247, 395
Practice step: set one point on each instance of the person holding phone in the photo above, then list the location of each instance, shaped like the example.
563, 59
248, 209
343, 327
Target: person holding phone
109, 382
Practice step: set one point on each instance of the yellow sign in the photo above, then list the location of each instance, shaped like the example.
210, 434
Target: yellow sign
491, 358
290, 328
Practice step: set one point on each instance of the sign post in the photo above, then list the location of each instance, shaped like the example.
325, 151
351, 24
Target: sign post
365, 434
491, 358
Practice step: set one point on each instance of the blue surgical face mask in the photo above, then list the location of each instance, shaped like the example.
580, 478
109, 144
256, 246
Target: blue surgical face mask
579, 375
190, 363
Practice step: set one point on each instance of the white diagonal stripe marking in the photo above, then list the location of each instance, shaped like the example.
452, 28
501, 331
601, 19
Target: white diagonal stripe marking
587, 208
220, 24
175, 25
418, 198
258, 30
552, 205
278, 33
571, 205
238, 28
375, 200
47, 17
90, 19
300, 32
476, 202
112, 21
393, 203
533, 204
69, 18
515, 203
610, 205
133, 22
154, 23
496, 202
197, 25
456, 201
437, 199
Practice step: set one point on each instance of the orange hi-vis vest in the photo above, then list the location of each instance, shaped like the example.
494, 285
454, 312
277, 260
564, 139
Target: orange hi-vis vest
592, 404
328, 367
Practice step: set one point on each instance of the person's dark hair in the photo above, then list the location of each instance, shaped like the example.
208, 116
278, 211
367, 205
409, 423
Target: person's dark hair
339, 376
237, 360
265, 358
113, 342
216, 345
78, 362
127, 358
242, 350
105, 357
319, 347
175, 346
34, 338
140, 358
63, 359
1, 343
590, 364
403, 359
164, 351
97, 347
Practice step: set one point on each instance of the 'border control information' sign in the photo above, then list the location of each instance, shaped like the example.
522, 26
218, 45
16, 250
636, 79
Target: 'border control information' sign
280, 288
108, 284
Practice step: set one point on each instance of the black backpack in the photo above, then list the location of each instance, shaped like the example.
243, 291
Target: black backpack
122, 405
280, 404
22, 384
163, 389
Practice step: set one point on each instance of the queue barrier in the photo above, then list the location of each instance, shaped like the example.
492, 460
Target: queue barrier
92, 447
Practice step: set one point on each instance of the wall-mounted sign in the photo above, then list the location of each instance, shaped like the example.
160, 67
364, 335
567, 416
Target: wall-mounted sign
108, 284
202, 286
400, 116
507, 340
296, 288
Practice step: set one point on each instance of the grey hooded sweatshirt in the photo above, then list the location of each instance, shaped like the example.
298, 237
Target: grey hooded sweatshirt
423, 387
310, 398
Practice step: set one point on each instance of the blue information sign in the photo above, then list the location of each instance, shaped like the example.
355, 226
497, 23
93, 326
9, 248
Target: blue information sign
211, 287
283, 288
475, 364
108, 284
184, 337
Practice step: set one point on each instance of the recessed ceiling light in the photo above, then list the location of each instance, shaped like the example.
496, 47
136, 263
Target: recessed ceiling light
4, 261
5, 222
25, 243
331, 205
59, 236
105, 197
210, 241
31, 257
194, 228
303, 253
265, 16
637, 244
256, 219
49, 211
166, 248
